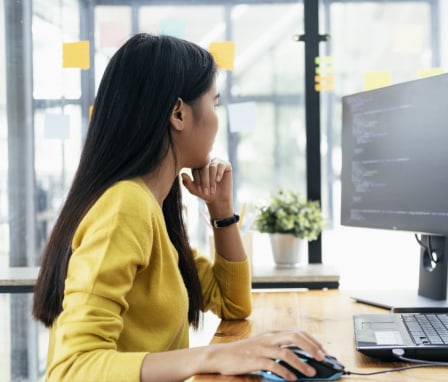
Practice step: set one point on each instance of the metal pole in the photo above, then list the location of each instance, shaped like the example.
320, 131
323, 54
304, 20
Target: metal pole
21, 176
311, 38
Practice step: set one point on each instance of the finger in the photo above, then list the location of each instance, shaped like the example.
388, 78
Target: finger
189, 184
197, 178
285, 356
280, 354
186, 178
213, 169
222, 167
312, 346
300, 339
297, 363
204, 178
277, 369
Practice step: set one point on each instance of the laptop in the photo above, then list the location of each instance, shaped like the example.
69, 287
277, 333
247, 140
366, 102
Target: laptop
421, 336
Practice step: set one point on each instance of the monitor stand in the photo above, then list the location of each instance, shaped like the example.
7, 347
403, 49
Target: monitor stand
433, 282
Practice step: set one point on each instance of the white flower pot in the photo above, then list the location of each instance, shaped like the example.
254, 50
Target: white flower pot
285, 249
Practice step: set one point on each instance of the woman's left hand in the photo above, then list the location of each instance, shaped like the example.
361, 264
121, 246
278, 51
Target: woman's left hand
212, 183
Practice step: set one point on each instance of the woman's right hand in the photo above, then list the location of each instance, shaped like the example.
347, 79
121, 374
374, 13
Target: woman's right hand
234, 358
260, 352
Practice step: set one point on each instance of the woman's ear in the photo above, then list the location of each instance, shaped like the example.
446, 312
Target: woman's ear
177, 118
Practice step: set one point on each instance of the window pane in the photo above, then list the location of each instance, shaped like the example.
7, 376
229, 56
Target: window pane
372, 46
200, 24
112, 29
269, 72
40, 142
268, 60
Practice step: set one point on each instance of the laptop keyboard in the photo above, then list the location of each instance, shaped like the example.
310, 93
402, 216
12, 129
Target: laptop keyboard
427, 328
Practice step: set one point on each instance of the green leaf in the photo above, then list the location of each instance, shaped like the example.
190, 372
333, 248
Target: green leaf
288, 212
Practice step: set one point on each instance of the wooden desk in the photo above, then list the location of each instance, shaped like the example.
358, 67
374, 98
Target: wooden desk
327, 315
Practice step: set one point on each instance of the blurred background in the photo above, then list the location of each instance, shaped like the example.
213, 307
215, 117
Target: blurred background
53, 54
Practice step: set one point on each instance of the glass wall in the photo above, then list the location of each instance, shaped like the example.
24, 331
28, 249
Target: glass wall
44, 108
42, 136
40, 142
374, 44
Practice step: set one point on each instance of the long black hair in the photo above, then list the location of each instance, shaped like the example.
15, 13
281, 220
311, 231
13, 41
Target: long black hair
128, 136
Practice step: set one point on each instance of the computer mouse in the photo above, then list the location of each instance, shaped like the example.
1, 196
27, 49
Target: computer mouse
329, 369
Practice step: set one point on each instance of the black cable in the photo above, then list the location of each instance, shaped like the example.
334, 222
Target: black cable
420, 242
427, 248
423, 362
432, 255
388, 370
430, 247
398, 353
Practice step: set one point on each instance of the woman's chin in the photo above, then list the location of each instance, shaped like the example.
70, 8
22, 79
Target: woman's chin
199, 163
205, 162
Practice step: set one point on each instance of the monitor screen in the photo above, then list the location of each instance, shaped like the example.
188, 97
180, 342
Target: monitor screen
395, 157
394, 172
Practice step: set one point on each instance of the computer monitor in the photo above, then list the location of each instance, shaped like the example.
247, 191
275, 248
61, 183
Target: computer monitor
395, 176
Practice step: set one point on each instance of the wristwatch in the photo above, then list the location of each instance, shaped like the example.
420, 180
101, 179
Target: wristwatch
225, 222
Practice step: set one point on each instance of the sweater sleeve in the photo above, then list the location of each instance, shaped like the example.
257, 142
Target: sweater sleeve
226, 286
109, 247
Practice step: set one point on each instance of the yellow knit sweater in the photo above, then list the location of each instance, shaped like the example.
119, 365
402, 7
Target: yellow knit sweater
124, 294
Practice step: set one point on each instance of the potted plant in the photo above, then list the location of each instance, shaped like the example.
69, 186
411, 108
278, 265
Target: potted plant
289, 218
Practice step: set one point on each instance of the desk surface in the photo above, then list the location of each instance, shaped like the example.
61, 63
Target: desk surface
325, 314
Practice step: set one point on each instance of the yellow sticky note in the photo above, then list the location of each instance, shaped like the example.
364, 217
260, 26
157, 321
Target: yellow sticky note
323, 86
377, 79
224, 54
327, 79
323, 60
76, 55
324, 69
430, 72
323, 83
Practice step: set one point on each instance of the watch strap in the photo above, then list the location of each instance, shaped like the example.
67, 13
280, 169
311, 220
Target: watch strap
225, 222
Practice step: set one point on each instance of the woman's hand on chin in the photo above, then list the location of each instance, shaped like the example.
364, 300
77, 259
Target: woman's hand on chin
212, 183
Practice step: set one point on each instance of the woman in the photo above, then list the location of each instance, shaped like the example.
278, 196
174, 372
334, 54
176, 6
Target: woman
119, 284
